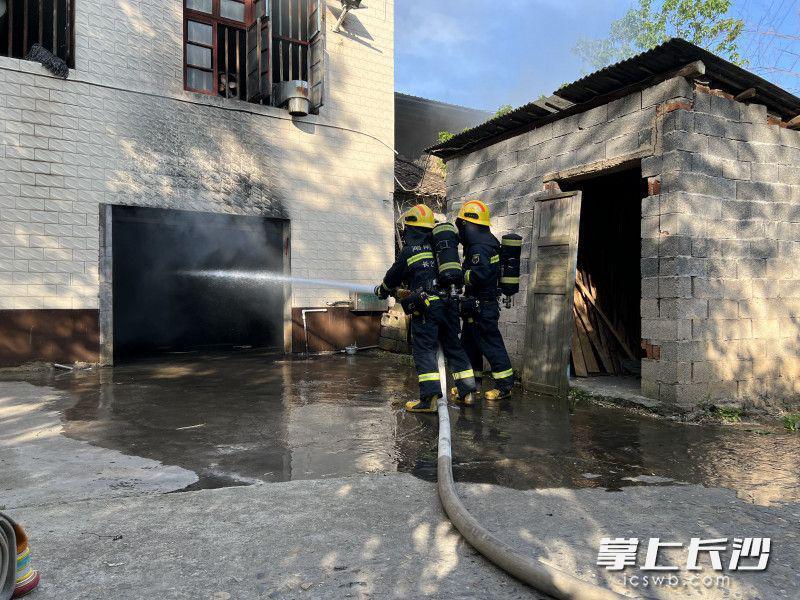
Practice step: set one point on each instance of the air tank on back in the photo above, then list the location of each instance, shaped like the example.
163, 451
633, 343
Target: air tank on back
445, 245
510, 254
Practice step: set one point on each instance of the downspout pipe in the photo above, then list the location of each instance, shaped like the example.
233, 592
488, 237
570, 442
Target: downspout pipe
304, 312
535, 573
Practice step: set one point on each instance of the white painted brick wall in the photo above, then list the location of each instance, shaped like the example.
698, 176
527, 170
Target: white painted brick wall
123, 131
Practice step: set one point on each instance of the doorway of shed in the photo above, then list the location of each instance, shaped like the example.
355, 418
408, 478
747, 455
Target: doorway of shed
606, 336
163, 269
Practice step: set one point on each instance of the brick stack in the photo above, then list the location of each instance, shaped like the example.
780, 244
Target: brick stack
394, 332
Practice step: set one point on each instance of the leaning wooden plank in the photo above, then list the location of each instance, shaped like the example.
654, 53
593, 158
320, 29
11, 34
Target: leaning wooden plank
577, 353
589, 362
592, 288
588, 286
603, 316
599, 326
588, 354
583, 313
582, 277
606, 346
610, 346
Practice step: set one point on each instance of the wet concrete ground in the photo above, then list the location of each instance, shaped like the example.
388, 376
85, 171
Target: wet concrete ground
87, 459
252, 418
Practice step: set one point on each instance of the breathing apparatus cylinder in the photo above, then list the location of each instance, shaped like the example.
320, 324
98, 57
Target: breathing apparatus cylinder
510, 254
445, 245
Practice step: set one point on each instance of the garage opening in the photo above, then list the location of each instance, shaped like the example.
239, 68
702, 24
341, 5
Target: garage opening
159, 308
606, 336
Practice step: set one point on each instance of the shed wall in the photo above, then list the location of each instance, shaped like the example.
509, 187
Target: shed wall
721, 259
720, 234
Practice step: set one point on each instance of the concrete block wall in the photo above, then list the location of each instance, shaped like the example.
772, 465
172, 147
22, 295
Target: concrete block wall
720, 254
720, 302
508, 174
121, 130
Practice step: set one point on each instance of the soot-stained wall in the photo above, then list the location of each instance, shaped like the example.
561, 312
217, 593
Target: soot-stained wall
122, 131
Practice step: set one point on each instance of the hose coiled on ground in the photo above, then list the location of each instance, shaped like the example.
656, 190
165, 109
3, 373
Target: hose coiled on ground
8, 557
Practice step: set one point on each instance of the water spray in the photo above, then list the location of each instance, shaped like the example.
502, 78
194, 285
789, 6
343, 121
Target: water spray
252, 277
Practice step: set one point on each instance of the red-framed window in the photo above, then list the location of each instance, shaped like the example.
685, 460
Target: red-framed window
215, 46
246, 49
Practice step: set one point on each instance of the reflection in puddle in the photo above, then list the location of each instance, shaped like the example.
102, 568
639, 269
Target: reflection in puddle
250, 418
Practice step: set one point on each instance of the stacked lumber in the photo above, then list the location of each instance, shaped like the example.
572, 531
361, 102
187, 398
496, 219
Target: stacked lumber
598, 347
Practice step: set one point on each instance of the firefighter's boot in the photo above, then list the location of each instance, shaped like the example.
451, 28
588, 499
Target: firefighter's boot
467, 399
429, 405
496, 395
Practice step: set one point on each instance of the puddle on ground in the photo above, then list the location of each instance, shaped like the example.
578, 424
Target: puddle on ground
247, 418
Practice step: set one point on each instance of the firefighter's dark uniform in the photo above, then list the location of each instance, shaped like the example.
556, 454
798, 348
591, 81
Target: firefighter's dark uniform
480, 335
416, 270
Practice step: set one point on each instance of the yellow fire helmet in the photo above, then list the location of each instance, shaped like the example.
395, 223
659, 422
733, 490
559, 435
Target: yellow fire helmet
419, 216
476, 212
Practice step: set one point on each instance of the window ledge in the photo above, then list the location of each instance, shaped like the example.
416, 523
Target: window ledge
240, 105
231, 104
24, 66
9, 63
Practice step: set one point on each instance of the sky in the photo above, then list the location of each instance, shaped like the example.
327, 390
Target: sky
487, 53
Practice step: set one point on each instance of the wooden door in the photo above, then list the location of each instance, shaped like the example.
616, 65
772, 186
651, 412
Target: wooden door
553, 261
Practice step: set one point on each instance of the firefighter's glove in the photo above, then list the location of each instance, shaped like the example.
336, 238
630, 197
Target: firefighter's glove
381, 292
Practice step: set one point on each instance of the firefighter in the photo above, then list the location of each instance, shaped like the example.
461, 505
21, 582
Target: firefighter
434, 316
480, 334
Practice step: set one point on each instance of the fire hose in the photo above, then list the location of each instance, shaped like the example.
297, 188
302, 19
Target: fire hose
528, 570
8, 557
10, 536
17, 576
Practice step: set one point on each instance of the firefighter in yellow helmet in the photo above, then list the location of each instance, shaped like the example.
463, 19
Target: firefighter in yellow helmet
480, 333
434, 316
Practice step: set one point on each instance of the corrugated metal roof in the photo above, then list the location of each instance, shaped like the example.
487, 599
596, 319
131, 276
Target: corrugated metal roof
624, 76
498, 126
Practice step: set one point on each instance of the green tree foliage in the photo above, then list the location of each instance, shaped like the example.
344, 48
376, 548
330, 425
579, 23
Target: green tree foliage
445, 136
706, 23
